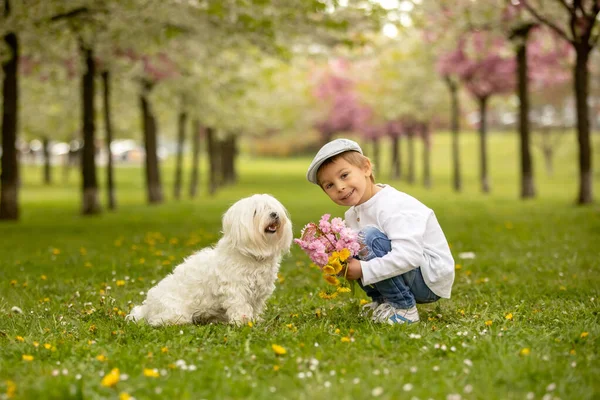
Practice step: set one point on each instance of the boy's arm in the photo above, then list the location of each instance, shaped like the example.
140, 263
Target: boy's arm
406, 232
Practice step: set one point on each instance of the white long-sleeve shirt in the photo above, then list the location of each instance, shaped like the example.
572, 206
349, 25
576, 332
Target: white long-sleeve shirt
416, 236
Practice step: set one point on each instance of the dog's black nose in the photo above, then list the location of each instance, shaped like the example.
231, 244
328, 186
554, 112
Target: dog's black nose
274, 215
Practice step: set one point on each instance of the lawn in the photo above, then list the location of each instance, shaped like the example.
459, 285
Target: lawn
522, 322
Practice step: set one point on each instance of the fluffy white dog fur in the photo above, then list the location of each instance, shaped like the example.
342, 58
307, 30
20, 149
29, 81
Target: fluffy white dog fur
231, 281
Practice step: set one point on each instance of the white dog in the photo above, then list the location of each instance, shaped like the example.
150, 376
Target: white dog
231, 281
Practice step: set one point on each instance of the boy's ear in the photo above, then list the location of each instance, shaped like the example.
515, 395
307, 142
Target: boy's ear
367, 167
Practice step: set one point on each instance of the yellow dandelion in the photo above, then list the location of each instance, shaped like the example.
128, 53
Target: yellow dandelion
43, 277
343, 289
279, 350
337, 266
525, 351
47, 346
509, 316
363, 302
332, 280
27, 357
55, 252
11, 389
327, 296
151, 373
280, 278
93, 328
250, 324
120, 282
488, 323
345, 339
329, 270
111, 379
124, 396
13, 282
20, 339
337, 331
334, 256
318, 310
572, 352
276, 368
457, 266
101, 357
36, 344
344, 255
584, 334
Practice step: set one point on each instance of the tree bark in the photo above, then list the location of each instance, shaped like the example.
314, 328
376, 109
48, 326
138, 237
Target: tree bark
194, 180
110, 185
527, 182
88, 159
182, 121
426, 157
228, 158
483, 164
396, 170
376, 158
9, 177
153, 184
214, 161
581, 81
47, 167
455, 130
411, 157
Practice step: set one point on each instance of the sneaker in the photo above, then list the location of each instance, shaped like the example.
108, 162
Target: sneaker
388, 314
367, 309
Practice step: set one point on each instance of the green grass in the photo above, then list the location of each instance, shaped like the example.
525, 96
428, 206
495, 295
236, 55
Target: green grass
74, 277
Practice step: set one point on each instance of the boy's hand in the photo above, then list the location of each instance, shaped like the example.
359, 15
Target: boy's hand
354, 270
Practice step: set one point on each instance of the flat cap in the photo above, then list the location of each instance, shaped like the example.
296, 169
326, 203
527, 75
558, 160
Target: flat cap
331, 149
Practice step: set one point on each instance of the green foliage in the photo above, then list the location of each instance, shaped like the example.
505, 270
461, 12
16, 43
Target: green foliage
522, 321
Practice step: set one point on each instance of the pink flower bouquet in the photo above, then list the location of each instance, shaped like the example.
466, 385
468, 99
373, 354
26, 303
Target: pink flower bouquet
329, 245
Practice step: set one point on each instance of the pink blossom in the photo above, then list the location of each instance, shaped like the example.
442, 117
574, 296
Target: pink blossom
319, 241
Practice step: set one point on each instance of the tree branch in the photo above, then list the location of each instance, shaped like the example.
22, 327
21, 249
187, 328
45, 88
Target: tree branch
547, 22
70, 14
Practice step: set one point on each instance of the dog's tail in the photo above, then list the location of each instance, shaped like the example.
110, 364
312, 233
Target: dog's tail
137, 313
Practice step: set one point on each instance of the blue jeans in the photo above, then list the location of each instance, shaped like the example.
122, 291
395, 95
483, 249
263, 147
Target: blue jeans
402, 291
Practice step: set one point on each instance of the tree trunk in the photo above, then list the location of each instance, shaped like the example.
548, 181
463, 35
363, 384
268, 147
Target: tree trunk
527, 181
91, 204
182, 121
411, 157
548, 155
376, 157
228, 159
396, 169
583, 124
153, 184
426, 157
110, 185
214, 160
47, 168
483, 165
194, 180
455, 129
9, 177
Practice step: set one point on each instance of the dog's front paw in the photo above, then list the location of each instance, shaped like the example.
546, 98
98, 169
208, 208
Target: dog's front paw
240, 319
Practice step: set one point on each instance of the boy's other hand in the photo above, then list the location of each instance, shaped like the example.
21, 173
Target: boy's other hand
354, 270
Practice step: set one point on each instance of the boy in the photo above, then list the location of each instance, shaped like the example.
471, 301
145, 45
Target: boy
407, 259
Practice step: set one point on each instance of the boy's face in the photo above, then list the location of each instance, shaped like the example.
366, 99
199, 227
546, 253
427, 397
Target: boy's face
346, 184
